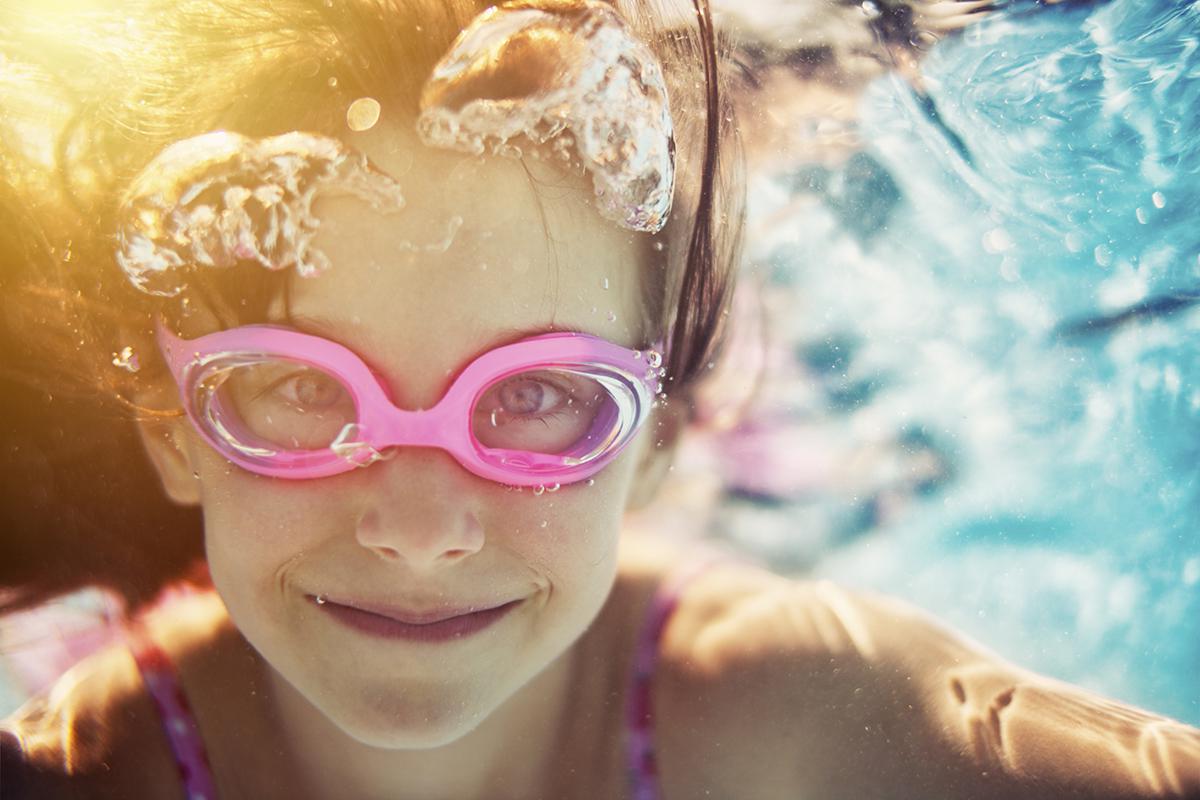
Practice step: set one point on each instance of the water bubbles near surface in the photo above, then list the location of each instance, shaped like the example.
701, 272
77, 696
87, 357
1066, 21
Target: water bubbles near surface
539, 489
654, 358
1159, 200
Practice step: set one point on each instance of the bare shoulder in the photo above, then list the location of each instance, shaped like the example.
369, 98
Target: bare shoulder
770, 687
95, 733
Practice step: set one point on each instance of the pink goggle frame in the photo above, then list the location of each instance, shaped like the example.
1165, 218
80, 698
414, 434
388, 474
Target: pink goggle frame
287, 404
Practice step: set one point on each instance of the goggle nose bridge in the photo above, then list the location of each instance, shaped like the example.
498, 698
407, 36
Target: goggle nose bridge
441, 427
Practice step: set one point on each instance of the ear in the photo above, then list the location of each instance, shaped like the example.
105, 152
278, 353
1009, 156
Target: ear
664, 431
166, 442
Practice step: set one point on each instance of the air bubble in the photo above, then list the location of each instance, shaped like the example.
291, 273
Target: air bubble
539, 489
659, 246
320, 599
127, 360
611, 316
1103, 255
1158, 199
654, 358
997, 240
1140, 213
362, 114
332, 82
554, 487
544, 524
605, 284
591, 481
871, 10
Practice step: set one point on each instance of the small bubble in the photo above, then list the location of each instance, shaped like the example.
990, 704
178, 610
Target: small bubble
539, 489
870, 9
362, 114
494, 410
127, 360
659, 246
591, 481
1140, 213
605, 284
997, 240
320, 599
637, 354
1158, 199
654, 358
923, 40
1103, 255
554, 488
332, 82
611, 316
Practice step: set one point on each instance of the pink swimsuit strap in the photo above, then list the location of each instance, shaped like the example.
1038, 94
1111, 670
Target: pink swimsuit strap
158, 674
639, 706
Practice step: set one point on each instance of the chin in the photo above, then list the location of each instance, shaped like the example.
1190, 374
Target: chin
415, 720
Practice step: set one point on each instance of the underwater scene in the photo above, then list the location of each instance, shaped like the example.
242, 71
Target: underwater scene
965, 366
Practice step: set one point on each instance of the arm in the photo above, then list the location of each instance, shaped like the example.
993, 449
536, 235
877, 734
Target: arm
885, 702
780, 689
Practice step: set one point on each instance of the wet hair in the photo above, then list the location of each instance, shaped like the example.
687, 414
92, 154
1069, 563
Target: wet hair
95, 95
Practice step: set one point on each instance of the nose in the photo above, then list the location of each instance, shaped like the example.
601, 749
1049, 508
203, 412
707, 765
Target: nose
417, 510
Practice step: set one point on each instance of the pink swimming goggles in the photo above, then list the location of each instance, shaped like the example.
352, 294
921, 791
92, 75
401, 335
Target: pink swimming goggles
550, 409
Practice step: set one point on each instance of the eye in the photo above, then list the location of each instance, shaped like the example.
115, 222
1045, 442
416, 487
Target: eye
526, 396
310, 390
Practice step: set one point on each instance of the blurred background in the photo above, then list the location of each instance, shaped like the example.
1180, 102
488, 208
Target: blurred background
966, 357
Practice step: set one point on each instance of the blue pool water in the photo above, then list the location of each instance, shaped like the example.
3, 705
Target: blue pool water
1008, 275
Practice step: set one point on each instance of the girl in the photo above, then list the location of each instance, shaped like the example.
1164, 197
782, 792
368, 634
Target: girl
407, 301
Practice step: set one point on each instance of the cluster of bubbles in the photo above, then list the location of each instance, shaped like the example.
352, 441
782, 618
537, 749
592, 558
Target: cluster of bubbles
601, 97
221, 198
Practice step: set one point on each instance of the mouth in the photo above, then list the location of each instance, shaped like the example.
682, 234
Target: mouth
393, 623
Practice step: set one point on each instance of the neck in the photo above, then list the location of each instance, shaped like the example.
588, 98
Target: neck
510, 754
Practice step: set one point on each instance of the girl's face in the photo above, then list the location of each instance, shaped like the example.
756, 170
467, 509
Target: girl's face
419, 533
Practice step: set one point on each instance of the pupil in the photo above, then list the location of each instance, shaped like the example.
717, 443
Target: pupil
524, 397
315, 390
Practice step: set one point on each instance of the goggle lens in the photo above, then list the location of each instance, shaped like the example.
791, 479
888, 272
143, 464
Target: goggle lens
277, 404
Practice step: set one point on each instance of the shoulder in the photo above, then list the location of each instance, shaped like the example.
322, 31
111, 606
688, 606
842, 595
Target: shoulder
770, 687
95, 733
812, 684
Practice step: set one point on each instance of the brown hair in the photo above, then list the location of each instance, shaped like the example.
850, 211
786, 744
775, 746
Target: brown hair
126, 83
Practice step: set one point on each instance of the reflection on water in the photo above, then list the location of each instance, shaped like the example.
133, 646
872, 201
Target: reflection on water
987, 319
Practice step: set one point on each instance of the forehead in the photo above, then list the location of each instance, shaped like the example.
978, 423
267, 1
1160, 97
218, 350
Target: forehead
483, 248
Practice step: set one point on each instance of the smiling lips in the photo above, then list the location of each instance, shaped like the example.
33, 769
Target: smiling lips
393, 623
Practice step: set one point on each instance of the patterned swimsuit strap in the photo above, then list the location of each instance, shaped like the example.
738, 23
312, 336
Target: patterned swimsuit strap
183, 735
